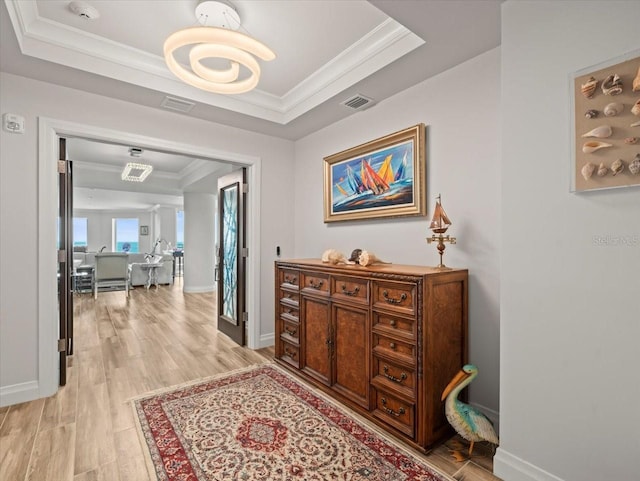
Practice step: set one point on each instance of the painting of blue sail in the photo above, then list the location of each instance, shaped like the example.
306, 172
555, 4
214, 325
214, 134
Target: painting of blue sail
379, 179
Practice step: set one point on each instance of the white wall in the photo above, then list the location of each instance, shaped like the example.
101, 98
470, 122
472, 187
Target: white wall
19, 378
199, 241
99, 227
570, 316
461, 110
167, 231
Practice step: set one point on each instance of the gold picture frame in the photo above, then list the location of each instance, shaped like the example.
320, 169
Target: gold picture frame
385, 177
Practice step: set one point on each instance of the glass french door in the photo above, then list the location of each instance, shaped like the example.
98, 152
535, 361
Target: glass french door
231, 256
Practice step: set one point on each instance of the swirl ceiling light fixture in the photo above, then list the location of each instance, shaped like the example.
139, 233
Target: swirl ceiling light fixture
217, 39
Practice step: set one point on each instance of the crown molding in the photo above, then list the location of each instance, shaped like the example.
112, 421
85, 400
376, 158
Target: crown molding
54, 42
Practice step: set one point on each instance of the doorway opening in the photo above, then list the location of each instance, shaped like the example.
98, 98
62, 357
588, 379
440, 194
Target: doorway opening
50, 130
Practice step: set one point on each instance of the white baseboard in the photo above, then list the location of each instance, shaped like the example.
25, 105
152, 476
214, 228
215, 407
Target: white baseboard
198, 289
510, 467
19, 393
266, 340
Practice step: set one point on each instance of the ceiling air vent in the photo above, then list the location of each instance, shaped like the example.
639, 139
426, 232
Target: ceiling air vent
173, 103
358, 102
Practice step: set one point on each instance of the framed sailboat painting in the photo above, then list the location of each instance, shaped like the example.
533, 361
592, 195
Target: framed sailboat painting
382, 178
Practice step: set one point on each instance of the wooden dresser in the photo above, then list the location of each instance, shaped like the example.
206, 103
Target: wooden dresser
384, 340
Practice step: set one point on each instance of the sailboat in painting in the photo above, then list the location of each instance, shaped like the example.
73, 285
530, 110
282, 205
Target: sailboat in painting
367, 183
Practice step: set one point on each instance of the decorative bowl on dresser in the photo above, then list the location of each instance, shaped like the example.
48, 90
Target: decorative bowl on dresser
384, 339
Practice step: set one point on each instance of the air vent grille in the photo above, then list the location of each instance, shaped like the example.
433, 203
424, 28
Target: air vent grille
173, 103
358, 102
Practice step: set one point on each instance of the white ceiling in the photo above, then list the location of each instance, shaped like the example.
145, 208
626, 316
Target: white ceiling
326, 52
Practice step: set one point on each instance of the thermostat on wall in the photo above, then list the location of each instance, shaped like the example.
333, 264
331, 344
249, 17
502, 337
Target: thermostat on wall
13, 123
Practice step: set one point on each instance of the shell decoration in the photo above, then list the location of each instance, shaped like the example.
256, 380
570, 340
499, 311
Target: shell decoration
589, 87
355, 256
602, 170
634, 166
635, 110
601, 132
367, 258
612, 85
631, 140
591, 114
332, 256
593, 145
635, 124
613, 109
636, 81
587, 170
617, 166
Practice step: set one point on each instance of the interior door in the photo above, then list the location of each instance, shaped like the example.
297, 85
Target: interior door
65, 259
231, 256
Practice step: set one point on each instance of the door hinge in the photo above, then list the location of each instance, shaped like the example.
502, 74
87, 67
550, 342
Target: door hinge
62, 255
245, 317
245, 252
62, 345
62, 167
245, 188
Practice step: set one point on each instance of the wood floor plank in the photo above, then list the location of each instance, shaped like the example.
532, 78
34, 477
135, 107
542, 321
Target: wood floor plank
17, 437
53, 454
94, 434
106, 472
60, 409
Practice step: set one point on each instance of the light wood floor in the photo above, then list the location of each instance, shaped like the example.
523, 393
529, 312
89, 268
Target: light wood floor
156, 339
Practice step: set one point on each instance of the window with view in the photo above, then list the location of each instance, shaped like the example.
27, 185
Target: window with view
125, 235
180, 230
80, 232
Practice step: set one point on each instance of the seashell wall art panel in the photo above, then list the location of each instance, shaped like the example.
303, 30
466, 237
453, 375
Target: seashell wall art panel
606, 128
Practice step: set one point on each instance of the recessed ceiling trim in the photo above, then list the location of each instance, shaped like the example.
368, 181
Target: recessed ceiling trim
52, 41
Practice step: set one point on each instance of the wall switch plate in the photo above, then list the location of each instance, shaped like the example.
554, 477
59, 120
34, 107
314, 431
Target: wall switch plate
13, 123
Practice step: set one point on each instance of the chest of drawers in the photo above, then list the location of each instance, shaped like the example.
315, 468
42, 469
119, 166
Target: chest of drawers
384, 339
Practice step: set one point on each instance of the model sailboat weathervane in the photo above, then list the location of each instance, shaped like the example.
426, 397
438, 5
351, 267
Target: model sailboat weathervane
439, 225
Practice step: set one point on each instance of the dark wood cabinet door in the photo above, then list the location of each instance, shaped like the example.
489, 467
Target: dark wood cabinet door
316, 325
351, 348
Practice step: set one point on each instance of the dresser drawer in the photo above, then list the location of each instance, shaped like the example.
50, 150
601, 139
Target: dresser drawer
394, 412
350, 289
396, 296
393, 348
289, 312
394, 326
290, 331
391, 376
290, 299
289, 278
315, 283
289, 353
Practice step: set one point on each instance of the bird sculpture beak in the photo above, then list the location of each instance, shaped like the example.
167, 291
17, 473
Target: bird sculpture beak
458, 378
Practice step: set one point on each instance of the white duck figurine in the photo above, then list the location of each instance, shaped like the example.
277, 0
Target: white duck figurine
468, 422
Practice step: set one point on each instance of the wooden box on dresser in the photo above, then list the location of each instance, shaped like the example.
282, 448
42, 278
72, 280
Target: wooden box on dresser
384, 339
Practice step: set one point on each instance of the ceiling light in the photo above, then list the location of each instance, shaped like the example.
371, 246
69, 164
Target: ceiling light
135, 152
217, 40
135, 172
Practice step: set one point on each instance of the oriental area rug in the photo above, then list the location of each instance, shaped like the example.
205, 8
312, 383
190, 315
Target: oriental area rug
261, 423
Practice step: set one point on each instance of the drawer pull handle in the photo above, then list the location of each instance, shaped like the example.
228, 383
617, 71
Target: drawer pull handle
290, 353
287, 310
290, 279
392, 323
400, 412
354, 292
315, 286
391, 300
399, 380
291, 332
392, 345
